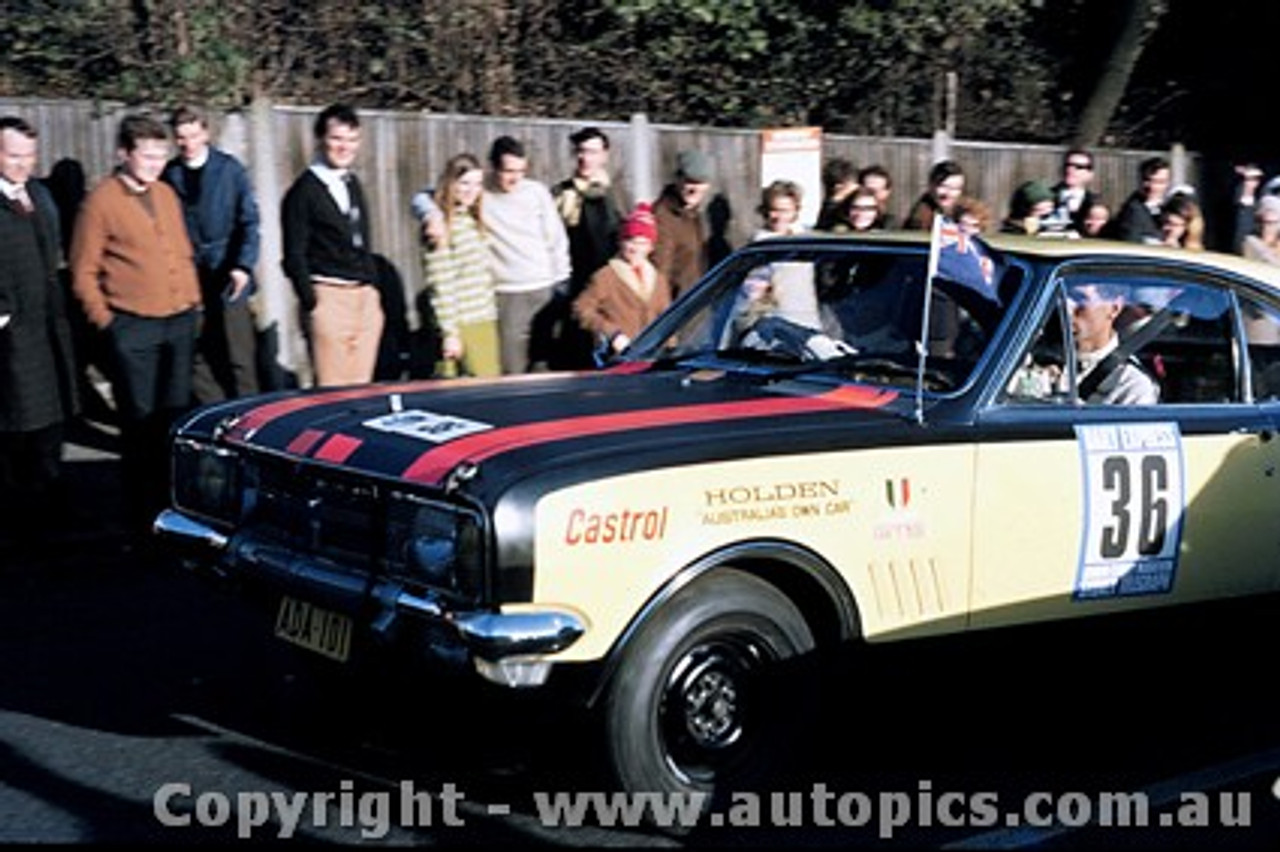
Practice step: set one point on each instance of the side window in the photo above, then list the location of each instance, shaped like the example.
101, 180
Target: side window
1262, 331
1131, 342
1041, 376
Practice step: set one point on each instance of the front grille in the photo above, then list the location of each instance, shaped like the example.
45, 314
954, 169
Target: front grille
362, 525
316, 512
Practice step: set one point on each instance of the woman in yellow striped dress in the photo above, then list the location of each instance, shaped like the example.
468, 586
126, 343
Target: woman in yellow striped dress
457, 276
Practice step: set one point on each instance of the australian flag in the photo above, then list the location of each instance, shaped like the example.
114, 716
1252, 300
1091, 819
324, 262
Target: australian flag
962, 259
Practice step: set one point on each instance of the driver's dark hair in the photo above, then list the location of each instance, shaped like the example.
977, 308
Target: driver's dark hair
1109, 292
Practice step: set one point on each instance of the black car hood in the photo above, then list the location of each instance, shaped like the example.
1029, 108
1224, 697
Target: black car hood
420, 432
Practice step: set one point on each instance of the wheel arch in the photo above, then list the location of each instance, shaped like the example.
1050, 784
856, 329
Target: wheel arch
805, 578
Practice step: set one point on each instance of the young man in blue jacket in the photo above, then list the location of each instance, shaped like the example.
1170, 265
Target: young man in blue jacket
222, 221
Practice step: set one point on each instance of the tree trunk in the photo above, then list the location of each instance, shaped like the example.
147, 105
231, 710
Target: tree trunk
1141, 19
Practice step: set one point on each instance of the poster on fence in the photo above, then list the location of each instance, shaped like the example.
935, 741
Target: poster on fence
794, 154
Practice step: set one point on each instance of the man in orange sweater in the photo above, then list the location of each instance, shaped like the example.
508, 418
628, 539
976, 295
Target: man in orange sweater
133, 270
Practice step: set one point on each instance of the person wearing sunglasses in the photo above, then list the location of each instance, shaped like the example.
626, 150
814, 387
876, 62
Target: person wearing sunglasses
1072, 195
860, 212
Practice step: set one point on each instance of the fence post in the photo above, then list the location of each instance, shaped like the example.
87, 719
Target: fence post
1178, 164
941, 146
276, 302
232, 135
950, 102
644, 154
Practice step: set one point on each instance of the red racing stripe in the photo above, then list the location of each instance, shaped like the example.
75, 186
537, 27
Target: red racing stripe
434, 464
338, 448
254, 419
302, 444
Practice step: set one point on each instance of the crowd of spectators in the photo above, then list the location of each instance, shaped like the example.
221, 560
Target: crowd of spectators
148, 277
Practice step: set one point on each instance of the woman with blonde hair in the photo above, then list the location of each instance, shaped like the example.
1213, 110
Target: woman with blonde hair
456, 271
780, 209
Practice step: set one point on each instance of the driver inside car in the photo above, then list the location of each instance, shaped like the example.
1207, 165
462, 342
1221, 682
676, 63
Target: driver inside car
1107, 374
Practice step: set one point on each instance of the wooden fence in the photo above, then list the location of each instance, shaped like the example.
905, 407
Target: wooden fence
403, 151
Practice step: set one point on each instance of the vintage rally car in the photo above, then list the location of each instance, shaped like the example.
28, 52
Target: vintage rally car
828, 439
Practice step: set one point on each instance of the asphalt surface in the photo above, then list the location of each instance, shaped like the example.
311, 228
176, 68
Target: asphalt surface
123, 675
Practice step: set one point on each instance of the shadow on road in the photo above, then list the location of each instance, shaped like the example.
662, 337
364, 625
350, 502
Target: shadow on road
105, 634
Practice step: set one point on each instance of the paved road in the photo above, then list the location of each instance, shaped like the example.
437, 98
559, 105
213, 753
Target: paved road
123, 676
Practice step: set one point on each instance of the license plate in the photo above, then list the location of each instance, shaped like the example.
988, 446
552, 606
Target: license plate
313, 628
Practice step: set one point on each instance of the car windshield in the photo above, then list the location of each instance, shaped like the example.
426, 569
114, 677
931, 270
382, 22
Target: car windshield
854, 311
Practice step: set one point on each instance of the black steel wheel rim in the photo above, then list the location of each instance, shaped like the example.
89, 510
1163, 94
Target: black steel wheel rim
708, 711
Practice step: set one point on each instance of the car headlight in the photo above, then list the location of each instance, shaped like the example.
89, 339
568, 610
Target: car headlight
435, 544
206, 480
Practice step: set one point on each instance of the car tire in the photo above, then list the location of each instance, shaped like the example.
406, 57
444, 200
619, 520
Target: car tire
695, 704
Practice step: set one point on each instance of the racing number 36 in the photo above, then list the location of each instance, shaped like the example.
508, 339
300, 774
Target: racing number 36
1151, 505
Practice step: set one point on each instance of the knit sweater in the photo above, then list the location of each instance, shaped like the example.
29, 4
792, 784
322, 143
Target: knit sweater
319, 238
457, 275
527, 241
124, 258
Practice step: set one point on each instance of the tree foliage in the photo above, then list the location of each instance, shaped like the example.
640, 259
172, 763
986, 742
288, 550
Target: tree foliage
862, 66
1141, 19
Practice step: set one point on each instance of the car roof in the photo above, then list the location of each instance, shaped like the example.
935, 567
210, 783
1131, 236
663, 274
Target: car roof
1060, 249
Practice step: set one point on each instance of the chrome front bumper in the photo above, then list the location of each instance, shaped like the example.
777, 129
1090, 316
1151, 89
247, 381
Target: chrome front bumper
506, 648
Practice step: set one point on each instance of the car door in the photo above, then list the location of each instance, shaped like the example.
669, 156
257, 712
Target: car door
1084, 507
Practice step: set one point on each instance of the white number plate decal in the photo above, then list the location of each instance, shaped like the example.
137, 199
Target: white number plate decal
1134, 498
426, 425
313, 628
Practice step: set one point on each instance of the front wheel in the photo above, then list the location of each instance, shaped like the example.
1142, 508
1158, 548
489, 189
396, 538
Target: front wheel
695, 703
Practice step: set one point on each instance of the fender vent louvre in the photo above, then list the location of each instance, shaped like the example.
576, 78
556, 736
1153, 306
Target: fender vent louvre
908, 588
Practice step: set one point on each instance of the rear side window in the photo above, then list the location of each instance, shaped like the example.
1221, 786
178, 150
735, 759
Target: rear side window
1262, 333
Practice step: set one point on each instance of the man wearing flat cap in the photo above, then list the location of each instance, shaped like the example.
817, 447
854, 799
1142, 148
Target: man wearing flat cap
681, 251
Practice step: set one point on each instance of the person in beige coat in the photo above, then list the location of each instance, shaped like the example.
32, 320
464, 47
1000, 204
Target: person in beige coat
628, 292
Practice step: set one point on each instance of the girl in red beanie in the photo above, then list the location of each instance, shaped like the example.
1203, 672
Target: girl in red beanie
628, 292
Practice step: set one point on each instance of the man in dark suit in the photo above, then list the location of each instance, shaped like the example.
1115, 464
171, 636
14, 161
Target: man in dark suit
37, 378
591, 207
1138, 220
1073, 196
222, 222
328, 256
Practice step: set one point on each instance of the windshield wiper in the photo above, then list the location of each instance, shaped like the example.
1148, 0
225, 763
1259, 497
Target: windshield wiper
757, 355
862, 367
